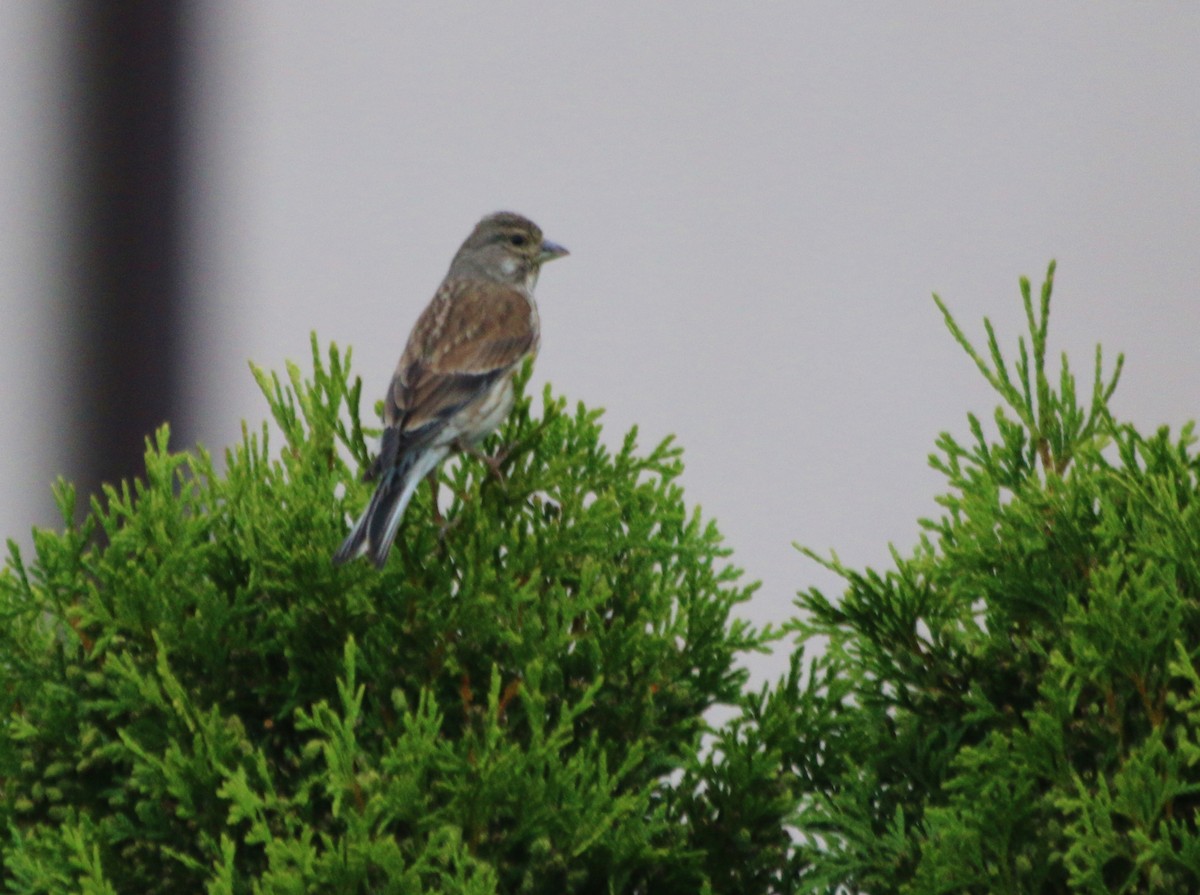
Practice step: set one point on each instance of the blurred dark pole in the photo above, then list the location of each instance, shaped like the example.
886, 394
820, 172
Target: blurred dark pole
125, 377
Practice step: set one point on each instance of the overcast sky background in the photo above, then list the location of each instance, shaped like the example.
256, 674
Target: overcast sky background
758, 199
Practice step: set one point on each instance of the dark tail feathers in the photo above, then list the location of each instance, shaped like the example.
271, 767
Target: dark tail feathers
375, 529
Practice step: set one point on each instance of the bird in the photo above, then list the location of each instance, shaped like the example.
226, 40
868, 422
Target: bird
453, 385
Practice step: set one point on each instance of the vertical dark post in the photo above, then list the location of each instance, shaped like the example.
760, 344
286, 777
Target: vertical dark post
124, 381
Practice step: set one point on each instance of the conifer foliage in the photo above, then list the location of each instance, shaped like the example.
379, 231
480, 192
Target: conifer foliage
1016, 707
197, 700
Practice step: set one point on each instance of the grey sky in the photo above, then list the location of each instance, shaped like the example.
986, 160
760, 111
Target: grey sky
758, 199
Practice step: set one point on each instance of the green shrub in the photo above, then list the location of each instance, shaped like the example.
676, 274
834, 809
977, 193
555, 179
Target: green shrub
198, 700
1015, 708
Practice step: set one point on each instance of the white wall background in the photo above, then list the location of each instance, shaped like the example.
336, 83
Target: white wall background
759, 199
33, 232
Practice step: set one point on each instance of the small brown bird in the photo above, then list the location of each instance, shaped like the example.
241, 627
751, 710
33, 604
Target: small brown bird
453, 385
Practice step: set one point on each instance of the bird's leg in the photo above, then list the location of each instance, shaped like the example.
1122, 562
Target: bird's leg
432, 478
492, 462
444, 524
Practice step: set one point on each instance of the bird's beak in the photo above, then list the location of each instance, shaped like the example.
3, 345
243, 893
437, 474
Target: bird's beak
550, 251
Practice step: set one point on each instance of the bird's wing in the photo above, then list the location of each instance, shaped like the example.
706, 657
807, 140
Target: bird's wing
472, 333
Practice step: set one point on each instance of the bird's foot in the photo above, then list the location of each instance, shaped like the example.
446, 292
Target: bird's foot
494, 462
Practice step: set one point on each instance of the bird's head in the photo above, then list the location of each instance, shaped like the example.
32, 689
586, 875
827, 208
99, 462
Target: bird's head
507, 248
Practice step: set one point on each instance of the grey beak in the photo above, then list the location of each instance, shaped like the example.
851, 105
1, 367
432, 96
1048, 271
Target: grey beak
550, 251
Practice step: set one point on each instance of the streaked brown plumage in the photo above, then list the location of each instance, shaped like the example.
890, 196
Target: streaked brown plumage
453, 384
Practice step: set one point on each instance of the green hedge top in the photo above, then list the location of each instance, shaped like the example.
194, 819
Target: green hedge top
198, 700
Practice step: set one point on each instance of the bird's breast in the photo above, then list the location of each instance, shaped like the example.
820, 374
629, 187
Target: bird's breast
535, 325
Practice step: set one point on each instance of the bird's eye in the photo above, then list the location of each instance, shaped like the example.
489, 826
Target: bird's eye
518, 239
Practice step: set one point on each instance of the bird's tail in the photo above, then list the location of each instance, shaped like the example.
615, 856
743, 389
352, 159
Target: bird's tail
376, 528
